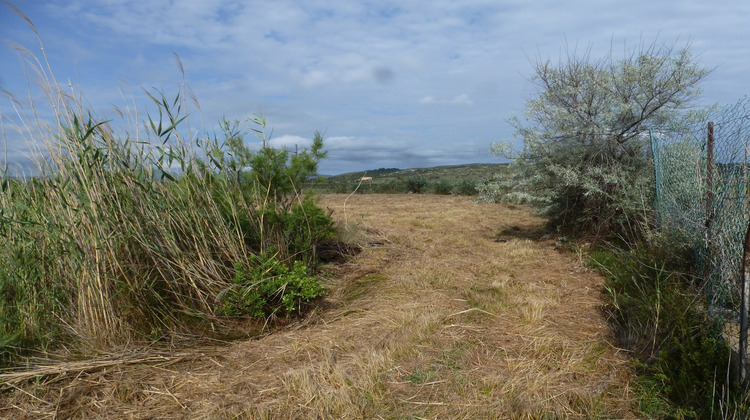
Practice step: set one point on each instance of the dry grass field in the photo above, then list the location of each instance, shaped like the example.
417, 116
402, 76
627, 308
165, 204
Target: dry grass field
453, 310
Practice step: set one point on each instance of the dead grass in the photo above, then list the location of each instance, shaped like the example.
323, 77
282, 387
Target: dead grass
455, 310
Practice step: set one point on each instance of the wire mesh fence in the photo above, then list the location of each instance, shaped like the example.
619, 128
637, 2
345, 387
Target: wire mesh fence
702, 174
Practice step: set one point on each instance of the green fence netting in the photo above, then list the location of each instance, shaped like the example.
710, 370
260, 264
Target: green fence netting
701, 176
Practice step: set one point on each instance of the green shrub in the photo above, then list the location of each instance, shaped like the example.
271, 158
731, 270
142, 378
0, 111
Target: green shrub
442, 187
415, 184
342, 189
268, 287
305, 226
389, 187
659, 316
365, 188
466, 187
280, 214
585, 161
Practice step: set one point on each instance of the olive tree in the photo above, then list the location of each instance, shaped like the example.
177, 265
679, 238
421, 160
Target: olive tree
583, 161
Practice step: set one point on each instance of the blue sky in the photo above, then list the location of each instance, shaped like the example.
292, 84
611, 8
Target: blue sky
389, 83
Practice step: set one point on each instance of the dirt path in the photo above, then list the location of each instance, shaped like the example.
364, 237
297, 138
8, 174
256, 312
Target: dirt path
453, 310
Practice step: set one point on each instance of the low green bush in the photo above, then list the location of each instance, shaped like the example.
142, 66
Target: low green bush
415, 184
442, 187
466, 187
660, 317
269, 287
389, 187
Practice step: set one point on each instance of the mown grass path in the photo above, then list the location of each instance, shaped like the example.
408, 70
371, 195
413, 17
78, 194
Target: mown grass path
453, 310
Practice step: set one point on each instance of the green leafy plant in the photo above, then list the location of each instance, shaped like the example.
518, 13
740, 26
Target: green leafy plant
268, 287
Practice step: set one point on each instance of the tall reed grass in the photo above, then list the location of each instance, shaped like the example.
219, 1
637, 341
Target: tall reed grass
133, 236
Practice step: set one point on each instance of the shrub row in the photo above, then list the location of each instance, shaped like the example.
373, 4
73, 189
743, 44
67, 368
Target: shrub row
415, 185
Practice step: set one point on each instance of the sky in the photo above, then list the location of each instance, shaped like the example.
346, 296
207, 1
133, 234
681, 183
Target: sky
389, 84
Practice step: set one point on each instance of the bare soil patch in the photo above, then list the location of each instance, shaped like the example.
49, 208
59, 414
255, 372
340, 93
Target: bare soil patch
451, 310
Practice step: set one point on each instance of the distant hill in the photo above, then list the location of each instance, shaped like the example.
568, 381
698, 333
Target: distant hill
473, 171
447, 179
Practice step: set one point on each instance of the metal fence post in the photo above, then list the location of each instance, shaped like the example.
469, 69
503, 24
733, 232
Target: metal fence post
709, 186
745, 303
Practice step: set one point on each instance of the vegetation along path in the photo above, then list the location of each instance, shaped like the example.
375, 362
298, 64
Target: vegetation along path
452, 310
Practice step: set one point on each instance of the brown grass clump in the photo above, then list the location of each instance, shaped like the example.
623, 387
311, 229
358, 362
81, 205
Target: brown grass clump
453, 310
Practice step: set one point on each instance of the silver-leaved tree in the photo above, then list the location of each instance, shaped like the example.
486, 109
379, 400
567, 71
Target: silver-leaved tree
583, 161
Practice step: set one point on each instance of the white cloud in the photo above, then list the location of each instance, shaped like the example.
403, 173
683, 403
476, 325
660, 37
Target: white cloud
314, 78
390, 83
462, 99
290, 142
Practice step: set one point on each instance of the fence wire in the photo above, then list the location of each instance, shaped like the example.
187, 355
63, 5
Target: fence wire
702, 174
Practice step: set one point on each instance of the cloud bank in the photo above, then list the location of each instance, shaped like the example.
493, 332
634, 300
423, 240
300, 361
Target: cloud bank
389, 83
